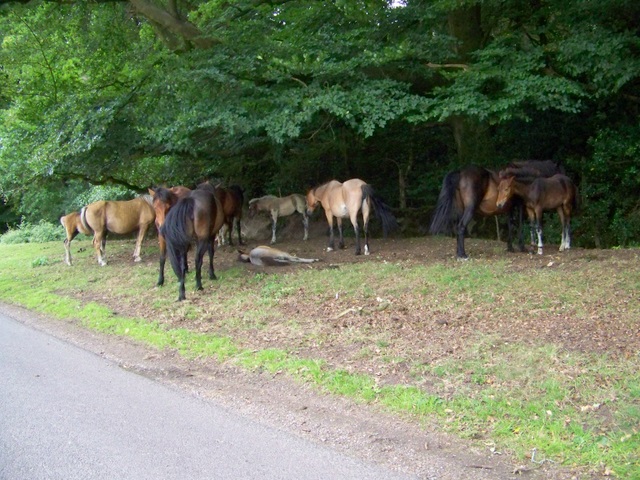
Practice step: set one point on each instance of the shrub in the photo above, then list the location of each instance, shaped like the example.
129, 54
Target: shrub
27, 233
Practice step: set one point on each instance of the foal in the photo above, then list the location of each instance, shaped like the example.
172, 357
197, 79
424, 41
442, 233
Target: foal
554, 193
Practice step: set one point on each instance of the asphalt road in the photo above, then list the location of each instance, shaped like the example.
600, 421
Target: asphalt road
66, 413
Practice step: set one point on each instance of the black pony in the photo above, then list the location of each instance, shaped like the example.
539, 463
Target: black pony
197, 216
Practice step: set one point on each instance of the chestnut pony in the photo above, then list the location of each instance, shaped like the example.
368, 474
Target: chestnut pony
102, 217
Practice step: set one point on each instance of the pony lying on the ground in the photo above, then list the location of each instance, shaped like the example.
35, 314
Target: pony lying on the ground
264, 255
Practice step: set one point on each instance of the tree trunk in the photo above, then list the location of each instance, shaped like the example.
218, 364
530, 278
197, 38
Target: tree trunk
473, 140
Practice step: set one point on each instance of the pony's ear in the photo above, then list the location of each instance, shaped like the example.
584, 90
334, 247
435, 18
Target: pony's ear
152, 192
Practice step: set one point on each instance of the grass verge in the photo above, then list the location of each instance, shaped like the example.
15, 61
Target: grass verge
534, 400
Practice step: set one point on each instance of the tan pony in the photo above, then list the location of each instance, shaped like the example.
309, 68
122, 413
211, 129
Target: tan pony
281, 207
345, 200
101, 217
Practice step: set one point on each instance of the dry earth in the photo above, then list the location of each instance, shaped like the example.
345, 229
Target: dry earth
364, 430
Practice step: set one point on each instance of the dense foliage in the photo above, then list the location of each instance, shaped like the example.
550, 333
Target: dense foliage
279, 95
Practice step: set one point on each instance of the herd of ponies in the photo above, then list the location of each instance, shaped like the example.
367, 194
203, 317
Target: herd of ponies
183, 215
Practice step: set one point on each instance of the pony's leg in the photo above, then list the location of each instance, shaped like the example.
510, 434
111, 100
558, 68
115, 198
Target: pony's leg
202, 247
67, 252
520, 214
181, 278
332, 243
67, 247
341, 239
230, 232
212, 273
462, 228
274, 223
356, 229
563, 222
509, 230
162, 244
515, 223
365, 226
136, 252
99, 241
539, 230
305, 223
532, 229
239, 230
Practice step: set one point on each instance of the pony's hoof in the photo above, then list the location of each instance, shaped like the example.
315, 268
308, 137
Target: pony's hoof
103, 264
329, 249
137, 259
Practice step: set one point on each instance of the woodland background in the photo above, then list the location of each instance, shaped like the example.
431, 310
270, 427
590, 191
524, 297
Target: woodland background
102, 99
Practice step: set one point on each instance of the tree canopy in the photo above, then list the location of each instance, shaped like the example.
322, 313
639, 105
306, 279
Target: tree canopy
278, 95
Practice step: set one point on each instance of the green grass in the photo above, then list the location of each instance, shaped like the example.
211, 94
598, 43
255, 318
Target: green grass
577, 409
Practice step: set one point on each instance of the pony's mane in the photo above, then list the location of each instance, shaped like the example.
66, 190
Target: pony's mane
264, 197
164, 195
148, 198
526, 171
314, 189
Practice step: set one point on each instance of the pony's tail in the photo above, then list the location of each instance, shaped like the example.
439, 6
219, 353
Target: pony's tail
445, 212
238, 191
576, 203
175, 232
383, 211
83, 221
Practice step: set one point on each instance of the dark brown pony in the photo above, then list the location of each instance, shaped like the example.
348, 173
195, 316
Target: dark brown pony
554, 193
231, 199
72, 224
163, 200
341, 200
197, 216
120, 217
474, 190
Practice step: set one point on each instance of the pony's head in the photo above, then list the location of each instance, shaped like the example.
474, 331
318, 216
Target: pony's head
163, 200
253, 207
505, 191
312, 201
